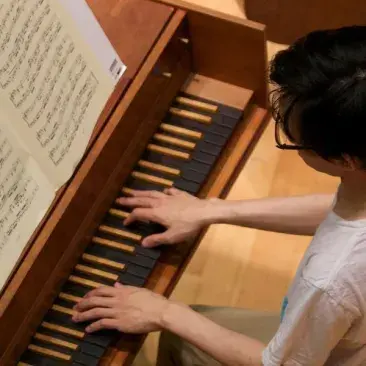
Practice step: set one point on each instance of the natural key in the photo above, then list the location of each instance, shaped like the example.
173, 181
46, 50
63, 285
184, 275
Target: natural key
105, 262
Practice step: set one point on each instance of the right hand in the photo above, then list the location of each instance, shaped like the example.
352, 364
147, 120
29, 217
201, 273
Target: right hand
182, 214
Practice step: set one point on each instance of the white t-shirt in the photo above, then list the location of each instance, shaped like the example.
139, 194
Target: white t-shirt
324, 312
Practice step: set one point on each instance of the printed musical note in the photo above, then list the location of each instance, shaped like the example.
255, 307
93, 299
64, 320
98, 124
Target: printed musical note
52, 83
25, 193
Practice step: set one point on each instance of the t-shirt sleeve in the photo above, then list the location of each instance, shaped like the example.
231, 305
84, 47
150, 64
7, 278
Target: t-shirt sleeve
312, 326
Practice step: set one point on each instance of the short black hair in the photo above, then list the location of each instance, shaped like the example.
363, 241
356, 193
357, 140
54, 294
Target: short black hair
322, 76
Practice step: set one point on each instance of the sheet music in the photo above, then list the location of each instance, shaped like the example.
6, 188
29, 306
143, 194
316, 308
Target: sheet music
25, 195
52, 86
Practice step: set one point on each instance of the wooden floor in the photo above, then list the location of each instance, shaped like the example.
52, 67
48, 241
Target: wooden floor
243, 267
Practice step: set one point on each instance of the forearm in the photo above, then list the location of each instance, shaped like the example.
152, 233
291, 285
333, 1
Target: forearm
299, 215
225, 346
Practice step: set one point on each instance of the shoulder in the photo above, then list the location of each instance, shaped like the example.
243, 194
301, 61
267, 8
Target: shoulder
339, 270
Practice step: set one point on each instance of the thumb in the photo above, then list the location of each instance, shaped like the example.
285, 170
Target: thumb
157, 239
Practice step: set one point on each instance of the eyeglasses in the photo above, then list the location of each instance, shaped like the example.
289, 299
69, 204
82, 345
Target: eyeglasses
282, 140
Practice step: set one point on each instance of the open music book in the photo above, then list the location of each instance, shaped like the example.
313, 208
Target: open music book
57, 71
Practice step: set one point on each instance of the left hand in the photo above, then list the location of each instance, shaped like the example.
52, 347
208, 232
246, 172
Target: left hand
127, 309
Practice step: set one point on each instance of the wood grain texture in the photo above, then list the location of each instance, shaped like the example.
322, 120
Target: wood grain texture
90, 193
174, 260
249, 276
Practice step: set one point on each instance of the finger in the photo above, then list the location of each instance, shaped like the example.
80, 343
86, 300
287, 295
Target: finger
145, 202
105, 291
139, 214
175, 192
148, 194
102, 324
94, 302
93, 314
156, 240
119, 285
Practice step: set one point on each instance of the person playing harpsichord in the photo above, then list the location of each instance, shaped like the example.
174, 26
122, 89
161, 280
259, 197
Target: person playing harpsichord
319, 108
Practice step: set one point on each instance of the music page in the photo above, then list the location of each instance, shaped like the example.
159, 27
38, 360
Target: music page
52, 86
25, 195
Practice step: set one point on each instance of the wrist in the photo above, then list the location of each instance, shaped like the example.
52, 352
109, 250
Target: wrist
171, 315
218, 211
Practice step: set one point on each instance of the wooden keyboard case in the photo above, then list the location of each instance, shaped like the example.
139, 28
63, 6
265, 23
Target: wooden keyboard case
208, 55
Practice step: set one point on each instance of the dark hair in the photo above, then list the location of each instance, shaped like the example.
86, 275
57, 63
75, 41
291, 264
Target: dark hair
322, 77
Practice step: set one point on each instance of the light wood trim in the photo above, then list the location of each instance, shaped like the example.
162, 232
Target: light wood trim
158, 167
114, 245
48, 352
197, 104
218, 91
127, 191
57, 342
153, 179
23, 364
106, 262
63, 330
174, 141
120, 233
85, 282
169, 152
181, 131
62, 309
190, 115
118, 213
195, 6
235, 157
96, 272
68, 297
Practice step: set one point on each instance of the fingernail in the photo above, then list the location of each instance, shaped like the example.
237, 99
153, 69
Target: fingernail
87, 329
75, 318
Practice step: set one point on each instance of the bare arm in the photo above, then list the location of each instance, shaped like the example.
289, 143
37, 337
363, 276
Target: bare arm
224, 345
135, 310
184, 215
299, 215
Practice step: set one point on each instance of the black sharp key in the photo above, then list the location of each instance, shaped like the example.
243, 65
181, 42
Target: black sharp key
103, 281
64, 320
155, 173
138, 228
152, 253
130, 269
74, 289
130, 280
89, 349
102, 339
119, 256
186, 123
196, 166
92, 350
64, 350
34, 358
187, 186
138, 271
193, 176
208, 148
222, 109
86, 360
222, 131
139, 185
224, 121
204, 158
157, 158
173, 147
215, 139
